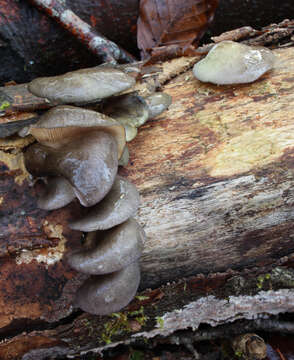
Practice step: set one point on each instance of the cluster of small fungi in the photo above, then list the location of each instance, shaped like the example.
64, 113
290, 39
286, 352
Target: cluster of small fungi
77, 153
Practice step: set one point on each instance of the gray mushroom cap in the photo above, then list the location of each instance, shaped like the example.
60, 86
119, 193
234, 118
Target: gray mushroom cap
102, 295
85, 85
59, 193
112, 250
119, 204
64, 123
88, 163
129, 109
229, 62
158, 103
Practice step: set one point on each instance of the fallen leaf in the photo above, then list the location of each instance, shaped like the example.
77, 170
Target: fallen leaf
163, 23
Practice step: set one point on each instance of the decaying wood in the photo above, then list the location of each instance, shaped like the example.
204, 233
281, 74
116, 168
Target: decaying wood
215, 173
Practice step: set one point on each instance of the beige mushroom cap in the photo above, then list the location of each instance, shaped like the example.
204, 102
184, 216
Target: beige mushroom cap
229, 62
85, 85
63, 123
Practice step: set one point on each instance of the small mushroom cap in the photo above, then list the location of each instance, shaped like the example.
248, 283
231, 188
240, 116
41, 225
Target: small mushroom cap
158, 103
125, 157
84, 85
104, 294
119, 204
89, 164
112, 250
129, 109
131, 132
229, 62
59, 193
63, 123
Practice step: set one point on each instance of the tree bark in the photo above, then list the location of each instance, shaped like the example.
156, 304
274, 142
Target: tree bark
215, 173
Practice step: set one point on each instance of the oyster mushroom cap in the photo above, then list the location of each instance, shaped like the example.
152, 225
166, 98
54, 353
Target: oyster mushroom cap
158, 103
110, 250
62, 124
118, 205
83, 85
59, 193
229, 62
125, 157
104, 294
129, 109
89, 164
131, 132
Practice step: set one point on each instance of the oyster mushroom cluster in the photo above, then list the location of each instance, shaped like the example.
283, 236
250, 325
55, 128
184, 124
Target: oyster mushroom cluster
78, 152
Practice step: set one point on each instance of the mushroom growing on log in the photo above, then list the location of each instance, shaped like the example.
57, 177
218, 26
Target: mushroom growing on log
215, 149
83, 147
80, 149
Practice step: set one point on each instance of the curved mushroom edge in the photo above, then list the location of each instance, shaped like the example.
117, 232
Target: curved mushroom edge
85, 85
58, 193
105, 294
121, 202
110, 251
62, 124
89, 163
229, 62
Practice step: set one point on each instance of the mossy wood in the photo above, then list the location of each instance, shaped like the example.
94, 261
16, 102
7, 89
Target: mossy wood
215, 173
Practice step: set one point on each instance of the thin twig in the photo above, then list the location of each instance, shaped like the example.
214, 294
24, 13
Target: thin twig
280, 354
96, 42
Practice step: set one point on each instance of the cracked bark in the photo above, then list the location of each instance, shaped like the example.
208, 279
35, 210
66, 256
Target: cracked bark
215, 173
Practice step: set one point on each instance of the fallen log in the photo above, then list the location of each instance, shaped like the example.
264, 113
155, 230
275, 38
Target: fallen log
215, 174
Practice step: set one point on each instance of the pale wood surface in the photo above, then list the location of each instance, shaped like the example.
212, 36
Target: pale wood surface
216, 175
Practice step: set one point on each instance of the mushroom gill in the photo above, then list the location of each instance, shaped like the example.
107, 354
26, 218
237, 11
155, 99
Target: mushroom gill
79, 149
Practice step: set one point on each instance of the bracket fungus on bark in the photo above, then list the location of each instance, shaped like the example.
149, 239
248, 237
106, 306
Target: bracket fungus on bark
110, 250
108, 293
88, 163
132, 110
85, 85
229, 62
79, 151
119, 204
58, 193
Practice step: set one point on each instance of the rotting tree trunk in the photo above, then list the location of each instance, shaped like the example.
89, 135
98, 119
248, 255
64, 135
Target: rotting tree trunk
215, 174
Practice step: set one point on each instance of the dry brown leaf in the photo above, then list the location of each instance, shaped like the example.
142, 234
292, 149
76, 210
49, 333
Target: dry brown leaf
171, 22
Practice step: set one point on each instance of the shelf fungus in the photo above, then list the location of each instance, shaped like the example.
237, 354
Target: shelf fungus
85, 85
78, 151
132, 110
229, 62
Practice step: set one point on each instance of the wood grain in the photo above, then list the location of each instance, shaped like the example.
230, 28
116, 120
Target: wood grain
216, 176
